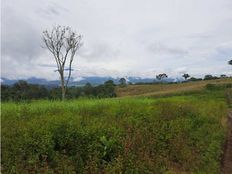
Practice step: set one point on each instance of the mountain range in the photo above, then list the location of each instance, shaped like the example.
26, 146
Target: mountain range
94, 80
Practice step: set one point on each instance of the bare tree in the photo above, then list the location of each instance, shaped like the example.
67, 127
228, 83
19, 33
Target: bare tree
63, 43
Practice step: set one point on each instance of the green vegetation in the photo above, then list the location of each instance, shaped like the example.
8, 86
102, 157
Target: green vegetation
22, 91
121, 135
122, 82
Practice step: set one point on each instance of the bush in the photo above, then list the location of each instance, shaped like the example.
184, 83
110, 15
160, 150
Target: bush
194, 79
210, 77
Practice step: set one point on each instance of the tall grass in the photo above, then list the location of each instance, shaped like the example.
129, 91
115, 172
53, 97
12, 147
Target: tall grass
134, 135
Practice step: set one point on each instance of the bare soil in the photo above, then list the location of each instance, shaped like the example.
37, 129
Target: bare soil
227, 157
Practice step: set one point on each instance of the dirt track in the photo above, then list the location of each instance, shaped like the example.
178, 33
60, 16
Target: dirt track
227, 157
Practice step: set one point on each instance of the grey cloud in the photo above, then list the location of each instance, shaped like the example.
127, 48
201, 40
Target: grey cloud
99, 51
118, 37
20, 39
199, 36
51, 10
47, 65
225, 50
94, 71
158, 48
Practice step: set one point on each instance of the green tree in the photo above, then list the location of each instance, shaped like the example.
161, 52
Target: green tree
109, 89
6, 93
20, 90
122, 82
88, 89
161, 76
210, 77
194, 79
186, 76
109, 83
223, 76
230, 62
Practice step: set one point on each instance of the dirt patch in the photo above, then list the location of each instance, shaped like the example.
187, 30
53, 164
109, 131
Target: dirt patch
227, 157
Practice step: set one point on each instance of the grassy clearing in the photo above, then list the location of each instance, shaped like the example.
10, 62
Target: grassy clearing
127, 135
167, 89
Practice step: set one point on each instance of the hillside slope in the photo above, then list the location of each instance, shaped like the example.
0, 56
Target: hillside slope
166, 89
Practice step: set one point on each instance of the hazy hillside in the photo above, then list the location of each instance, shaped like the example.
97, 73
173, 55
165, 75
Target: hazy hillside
94, 80
166, 89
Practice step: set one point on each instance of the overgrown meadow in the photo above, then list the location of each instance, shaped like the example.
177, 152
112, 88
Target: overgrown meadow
122, 135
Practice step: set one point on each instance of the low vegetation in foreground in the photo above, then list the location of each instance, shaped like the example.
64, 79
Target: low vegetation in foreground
120, 135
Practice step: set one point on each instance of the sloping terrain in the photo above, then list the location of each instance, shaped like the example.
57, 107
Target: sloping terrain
227, 158
226, 167
166, 89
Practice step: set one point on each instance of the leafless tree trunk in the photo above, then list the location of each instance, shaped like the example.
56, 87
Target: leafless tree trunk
63, 43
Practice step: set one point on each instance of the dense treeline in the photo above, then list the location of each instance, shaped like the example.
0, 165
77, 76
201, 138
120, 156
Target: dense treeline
24, 91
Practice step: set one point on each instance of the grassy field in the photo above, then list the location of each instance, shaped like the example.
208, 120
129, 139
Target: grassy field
175, 134
167, 89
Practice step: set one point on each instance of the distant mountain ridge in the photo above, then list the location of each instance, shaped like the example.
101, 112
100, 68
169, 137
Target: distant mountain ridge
94, 80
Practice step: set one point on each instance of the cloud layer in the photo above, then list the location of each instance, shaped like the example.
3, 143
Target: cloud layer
121, 37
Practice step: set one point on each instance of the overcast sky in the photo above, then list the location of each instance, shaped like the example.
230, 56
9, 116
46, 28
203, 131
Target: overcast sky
121, 37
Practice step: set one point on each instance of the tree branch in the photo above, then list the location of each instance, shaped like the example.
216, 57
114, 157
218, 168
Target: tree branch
61, 41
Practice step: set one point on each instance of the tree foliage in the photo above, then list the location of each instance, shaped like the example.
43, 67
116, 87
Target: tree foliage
122, 82
210, 77
22, 91
161, 76
230, 62
186, 76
